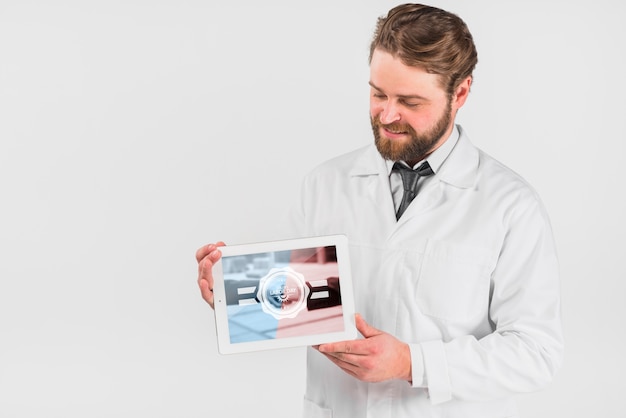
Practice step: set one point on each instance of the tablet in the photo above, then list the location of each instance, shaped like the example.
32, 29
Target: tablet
283, 294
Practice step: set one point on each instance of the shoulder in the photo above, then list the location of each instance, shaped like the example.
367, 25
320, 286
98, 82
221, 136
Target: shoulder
508, 192
497, 175
489, 180
470, 166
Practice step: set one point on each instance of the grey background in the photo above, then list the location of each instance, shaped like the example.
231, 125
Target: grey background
126, 132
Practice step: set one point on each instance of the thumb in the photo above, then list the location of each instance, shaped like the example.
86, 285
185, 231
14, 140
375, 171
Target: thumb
364, 328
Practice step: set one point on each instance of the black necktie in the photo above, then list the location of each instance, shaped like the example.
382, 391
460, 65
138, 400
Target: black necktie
409, 181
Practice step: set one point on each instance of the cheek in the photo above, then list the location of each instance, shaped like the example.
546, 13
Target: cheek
375, 108
420, 121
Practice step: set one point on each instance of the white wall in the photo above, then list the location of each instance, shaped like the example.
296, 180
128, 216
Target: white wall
126, 132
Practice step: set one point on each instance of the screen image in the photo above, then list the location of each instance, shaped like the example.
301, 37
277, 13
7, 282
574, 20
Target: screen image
282, 294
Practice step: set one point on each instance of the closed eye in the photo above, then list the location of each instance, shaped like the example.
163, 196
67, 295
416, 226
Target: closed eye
410, 104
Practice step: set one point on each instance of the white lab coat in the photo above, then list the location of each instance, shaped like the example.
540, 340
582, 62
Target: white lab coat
468, 278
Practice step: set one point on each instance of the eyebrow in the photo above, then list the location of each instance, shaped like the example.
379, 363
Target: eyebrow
401, 96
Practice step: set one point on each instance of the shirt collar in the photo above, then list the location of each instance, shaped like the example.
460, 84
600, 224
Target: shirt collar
437, 158
460, 168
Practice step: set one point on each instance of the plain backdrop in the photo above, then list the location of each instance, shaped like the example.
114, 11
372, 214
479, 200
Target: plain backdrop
132, 132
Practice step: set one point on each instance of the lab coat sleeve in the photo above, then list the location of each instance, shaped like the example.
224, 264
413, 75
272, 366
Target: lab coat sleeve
526, 347
440, 384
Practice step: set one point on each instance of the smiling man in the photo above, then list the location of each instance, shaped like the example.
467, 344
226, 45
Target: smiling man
455, 270
411, 115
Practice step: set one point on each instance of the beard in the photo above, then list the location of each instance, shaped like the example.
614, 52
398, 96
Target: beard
417, 146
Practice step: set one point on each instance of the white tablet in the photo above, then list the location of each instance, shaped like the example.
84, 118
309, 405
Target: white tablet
283, 294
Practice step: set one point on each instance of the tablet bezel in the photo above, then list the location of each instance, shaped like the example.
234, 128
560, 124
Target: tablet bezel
340, 243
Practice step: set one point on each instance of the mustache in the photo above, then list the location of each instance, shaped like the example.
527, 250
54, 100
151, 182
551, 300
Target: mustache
393, 127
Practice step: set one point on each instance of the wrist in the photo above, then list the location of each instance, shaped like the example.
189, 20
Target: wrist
408, 368
417, 371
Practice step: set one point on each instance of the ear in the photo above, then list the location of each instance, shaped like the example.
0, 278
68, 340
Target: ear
461, 93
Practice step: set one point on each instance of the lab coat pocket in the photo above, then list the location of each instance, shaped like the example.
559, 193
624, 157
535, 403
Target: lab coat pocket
313, 410
453, 282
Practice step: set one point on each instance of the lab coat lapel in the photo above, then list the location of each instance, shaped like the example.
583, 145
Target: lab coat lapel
461, 167
370, 167
426, 199
459, 171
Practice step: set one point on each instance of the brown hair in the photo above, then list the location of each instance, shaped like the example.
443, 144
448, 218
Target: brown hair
430, 38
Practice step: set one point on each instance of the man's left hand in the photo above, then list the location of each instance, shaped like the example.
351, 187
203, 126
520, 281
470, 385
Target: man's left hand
379, 356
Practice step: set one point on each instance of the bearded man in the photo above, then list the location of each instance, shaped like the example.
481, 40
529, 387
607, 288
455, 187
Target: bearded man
453, 260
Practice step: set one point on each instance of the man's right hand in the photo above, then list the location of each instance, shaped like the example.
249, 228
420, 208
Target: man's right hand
207, 256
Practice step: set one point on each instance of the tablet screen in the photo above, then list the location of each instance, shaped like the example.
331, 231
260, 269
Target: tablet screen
285, 293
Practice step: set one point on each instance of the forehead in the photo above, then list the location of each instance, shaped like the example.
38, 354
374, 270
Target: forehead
392, 76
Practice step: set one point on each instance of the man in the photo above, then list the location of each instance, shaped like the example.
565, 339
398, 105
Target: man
457, 290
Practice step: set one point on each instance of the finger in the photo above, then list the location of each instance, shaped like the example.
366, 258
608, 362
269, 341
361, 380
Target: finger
207, 249
205, 265
204, 251
358, 372
205, 270
206, 292
343, 360
346, 366
211, 254
364, 328
344, 350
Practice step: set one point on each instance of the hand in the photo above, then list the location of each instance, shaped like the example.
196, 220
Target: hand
206, 257
378, 357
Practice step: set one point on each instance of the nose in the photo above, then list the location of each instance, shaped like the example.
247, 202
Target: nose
389, 113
